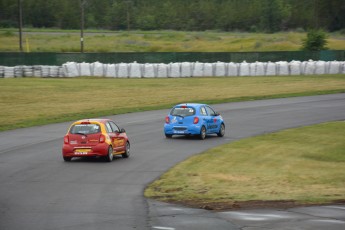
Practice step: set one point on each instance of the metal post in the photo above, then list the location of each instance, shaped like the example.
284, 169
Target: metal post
128, 15
20, 23
82, 3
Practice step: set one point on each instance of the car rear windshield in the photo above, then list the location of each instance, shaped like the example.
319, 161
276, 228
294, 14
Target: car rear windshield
182, 111
85, 129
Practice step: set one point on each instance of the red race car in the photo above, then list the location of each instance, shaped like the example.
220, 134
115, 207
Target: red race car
95, 138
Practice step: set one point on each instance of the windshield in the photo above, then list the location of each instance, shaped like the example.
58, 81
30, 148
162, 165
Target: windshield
182, 112
85, 129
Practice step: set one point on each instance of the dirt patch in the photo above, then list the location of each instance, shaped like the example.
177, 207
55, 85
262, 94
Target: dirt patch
253, 204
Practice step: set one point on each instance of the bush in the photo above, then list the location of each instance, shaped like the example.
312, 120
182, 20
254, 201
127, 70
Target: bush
316, 40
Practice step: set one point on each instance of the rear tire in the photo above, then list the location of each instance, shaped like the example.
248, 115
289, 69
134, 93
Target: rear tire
67, 159
202, 135
221, 132
110, 156
127, 152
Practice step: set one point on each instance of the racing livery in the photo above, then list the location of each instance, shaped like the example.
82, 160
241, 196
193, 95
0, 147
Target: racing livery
193, 119
95, 138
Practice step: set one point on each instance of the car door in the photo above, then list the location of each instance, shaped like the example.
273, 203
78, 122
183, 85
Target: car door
213, 120
203, 116
119, 137
111, 134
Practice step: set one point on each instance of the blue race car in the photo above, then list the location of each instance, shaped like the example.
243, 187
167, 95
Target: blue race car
193, 119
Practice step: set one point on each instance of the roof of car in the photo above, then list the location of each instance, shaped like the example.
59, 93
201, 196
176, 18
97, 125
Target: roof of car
101, 120
191, 104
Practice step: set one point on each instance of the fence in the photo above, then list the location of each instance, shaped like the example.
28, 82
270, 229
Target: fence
58, 59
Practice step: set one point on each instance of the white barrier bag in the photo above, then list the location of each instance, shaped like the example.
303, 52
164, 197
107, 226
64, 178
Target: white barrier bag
320, 67
85, 69
260, 69
135, 70
334, 67
149, 71
309, 67
271, 69
232, 69
53, 71
122, 70
244, 69
97, 69
71, 69
283, 68
198, 69
295, 68
110, 70
162, 70
186, 69
208, 70
174, 70
219, 69
8, 72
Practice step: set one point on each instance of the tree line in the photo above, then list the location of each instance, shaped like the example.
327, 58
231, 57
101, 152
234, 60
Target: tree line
189, 15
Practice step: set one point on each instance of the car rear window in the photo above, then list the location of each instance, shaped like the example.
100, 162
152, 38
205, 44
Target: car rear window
85, 129
182, 111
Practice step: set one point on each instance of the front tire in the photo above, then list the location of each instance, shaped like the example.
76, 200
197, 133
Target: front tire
221, 132
202, 135
110, 156
127, 151
168, 135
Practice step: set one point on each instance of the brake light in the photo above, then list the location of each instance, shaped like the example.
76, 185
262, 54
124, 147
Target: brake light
167, 119
184, 107
66, 139
101, 138
196, 120
85, 123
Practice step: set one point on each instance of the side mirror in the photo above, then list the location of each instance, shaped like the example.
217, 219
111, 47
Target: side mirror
122, 130
216, 114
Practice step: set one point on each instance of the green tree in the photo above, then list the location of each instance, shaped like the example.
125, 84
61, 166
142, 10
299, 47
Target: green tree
316, 40
274, 15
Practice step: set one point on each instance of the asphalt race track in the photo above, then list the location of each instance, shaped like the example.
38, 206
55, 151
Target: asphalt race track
38, 190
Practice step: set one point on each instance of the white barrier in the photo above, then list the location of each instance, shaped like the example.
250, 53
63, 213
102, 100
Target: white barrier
271, 69
295, 68
198, 70
110, 70
162, 70
149, 71
176, 70
122, 70
244, 69
232, 69
219, 69
208, 70
85, 69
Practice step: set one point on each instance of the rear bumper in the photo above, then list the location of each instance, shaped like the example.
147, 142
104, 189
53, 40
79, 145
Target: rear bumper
189, 130
90, 151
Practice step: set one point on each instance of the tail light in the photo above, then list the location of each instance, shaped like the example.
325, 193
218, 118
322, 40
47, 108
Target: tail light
101, 138
167, 119
66, 139
196, 120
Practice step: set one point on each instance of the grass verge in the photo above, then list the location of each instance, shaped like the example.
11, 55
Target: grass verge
296, 167
47, 40
29, 102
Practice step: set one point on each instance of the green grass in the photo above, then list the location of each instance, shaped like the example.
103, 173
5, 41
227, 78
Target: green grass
157, 41
28, 102
305, 165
